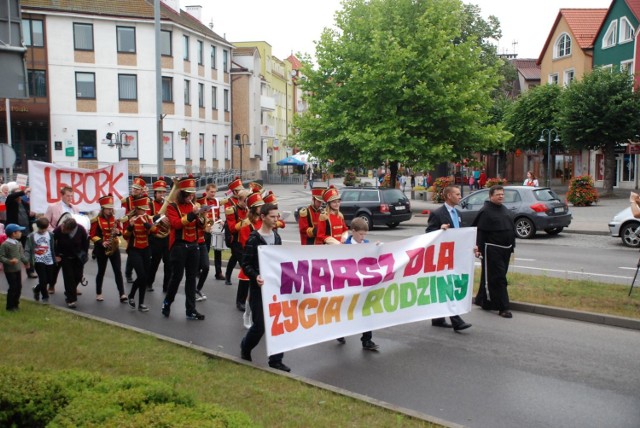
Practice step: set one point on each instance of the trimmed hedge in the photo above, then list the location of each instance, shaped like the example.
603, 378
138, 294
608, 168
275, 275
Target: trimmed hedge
75, 398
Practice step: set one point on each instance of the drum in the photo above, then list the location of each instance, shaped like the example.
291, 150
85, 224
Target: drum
217, 237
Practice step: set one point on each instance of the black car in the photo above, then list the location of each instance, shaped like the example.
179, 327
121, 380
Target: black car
533, 209
375, 205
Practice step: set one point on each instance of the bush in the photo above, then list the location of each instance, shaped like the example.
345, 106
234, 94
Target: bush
438, 187
350, 178
73, 398
496, 181
582, 192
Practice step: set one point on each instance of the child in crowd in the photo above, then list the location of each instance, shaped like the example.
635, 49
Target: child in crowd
40, 253
359, 229
12, 257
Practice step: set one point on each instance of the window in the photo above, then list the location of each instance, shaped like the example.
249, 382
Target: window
87, 147
129, 151
201, 95
201, 146
167, 145
627, 67
126, 39
214, 98
569, 76
227, 149
214, 146
200, 52
609, 39
226, 100
213, 57
127, 87
187, 91
187, 146
167, 89
563, 46
626, 30
85, 85
32, 32
185, 48
37, 83
165, 43
83, 37
225, 61
553, 79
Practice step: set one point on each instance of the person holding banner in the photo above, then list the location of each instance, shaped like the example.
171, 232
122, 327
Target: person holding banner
308, 217
266, 235
54, 212
72, 252
445, 217
496, 241
332, 228
104, 233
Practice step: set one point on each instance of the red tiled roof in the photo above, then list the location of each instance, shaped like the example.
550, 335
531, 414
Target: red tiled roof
527, 67
583, 24
634, 5
295, 62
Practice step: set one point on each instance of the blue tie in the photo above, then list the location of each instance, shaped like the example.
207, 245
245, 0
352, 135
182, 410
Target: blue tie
454, 217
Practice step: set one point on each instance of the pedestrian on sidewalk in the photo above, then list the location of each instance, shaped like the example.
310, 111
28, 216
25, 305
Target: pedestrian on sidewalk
12, 257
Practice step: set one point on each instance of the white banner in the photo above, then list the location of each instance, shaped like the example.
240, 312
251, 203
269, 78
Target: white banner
88, 184
317, 293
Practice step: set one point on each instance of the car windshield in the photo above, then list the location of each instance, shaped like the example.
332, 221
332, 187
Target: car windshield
393, 196
546, 195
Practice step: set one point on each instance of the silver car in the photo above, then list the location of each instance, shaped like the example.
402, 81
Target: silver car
627, 227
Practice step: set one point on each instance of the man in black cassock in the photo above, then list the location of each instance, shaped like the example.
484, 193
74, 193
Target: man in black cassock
496, 241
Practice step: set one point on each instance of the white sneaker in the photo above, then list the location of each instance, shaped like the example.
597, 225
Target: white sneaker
200, 297
246, 318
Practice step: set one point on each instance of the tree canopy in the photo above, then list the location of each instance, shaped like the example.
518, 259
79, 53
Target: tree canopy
402, 80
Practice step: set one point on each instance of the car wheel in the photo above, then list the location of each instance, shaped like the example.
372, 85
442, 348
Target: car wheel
367, 218
525, 228
392, 225
554, 230
629, 236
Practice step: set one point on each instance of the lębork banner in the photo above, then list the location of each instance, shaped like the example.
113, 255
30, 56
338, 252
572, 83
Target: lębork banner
313, 294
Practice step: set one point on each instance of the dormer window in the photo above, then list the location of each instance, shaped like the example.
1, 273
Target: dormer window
609, 39
626, 30
562, 47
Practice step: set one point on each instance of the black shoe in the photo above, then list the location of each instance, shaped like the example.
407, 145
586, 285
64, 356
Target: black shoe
36, 294
166, 309
150, 290
369, 346
241, 307
505, 314
461, 326
129, 280
341, 340
195, 315
132, 303
440, 322
245, 355
280, 366
227, 282
220, 277
143, 308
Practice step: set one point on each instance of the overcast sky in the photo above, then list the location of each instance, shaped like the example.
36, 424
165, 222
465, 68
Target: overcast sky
293, 25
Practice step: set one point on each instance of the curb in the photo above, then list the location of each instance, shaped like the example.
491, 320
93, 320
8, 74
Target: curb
569, 314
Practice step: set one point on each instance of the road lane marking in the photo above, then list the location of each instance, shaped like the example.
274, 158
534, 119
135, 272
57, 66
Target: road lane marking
572, 272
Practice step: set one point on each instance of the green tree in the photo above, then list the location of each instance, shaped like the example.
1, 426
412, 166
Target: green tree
532, 112
598, 113
401, 80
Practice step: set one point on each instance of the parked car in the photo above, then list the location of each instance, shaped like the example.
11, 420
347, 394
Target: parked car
375, 205
627, 227
534, 209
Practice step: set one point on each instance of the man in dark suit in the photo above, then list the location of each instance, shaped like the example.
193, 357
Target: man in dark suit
443, 218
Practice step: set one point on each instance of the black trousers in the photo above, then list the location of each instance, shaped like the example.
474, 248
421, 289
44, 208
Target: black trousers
493, 293
203, 268
159, 252
116, 265
140, 261
236, 256
45, 278
256, 331
217, 254
185, 260
14, 279
243, 291
72, 271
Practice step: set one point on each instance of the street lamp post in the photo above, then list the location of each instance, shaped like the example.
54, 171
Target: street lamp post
550, 132
121, 139
241, 143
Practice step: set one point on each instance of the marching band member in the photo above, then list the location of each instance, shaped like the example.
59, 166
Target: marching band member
104, 233
209, 199
309, 217
234, 212
332, 228
159, 240
139, 225
138, 190
183, 247
203, 250
248, 225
